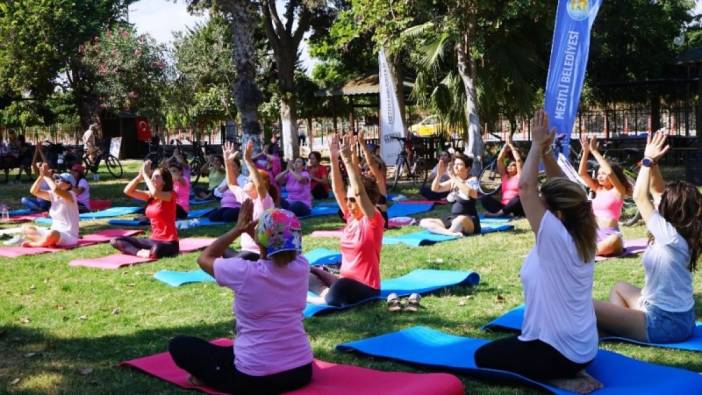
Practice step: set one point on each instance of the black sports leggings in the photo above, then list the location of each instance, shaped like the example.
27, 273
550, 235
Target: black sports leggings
514, 206
132, 245
214, 366
533, 359
346, 291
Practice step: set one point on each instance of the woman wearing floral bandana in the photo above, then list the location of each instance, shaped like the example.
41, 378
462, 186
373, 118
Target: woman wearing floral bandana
271, 353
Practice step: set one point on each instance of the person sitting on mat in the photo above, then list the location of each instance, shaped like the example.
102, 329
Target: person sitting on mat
610, 187
64, 230
215, 176
664, 310
376, 170
559, 333
229, 205
509, 203
319, 176
463, 192
181, 187
258, 188
82, 188
425, 190
160, 210
271, 353
361, 239
297, 183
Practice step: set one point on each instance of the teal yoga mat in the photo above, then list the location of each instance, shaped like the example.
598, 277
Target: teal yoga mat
445, 352
512, 321
107, 213
419, 281
424, 237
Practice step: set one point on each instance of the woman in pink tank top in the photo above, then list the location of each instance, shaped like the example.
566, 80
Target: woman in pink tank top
509, 203
610, 187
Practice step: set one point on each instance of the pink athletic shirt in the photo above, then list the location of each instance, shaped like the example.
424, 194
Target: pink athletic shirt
607, 204
361, 242
510, 187
260, 205
182, 190
268, 305
299, 191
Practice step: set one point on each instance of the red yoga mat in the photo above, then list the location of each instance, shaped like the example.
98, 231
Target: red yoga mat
631, 247
94, 238
327, 378
116, 261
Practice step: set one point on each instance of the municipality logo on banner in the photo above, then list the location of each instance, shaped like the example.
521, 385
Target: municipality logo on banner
391, 122
566, 70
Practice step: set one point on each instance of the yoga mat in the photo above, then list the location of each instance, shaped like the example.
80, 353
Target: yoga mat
198, 222
27, 217
199, 212
327, 233
419, 281
20, 211
425, 238
327, 378
95, 238
513, 319
407, 209
197, 201
110, 212
116, 261
319, 210
440, 201
428, 347
631, 247
127, 222
319, 256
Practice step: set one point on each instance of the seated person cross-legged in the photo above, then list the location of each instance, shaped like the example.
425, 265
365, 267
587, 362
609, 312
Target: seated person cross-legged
463, 192
271, 352
509, 203
160, 210
664, 310
559, 333
361, 239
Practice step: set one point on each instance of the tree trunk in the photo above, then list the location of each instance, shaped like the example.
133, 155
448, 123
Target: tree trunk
466, 68
242, 16
288, 119
399, 87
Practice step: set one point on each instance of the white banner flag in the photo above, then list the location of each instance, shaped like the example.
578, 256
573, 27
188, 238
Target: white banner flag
391, 122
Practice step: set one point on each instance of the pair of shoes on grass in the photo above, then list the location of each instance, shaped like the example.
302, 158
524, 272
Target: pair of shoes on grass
395, 304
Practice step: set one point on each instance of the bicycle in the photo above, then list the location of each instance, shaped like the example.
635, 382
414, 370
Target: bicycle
92, 163
406, 161
490, 179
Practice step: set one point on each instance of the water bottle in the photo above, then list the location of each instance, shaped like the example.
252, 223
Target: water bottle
4, 213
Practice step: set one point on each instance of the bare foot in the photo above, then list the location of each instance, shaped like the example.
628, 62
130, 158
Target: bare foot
582, 383
144, 253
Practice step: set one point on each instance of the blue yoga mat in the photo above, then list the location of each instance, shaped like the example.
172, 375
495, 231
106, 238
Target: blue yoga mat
196, 201
407, 209
319, 210
428, 347
107, 213
513, 319
180, 224
424, 237
20, 211
199, 212
419, 281
127, 222
319, 256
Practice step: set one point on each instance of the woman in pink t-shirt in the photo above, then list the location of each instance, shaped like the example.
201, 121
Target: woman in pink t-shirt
258, 189
181, 186
297, 183
319, 176
509, 203
271, 353
362, 237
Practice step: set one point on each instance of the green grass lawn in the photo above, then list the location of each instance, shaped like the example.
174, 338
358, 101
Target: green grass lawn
64, 330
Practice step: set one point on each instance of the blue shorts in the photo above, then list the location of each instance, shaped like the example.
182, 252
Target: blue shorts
667, 327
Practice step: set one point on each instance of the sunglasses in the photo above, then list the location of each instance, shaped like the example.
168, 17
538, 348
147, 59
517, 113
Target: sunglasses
351, 200
59, 179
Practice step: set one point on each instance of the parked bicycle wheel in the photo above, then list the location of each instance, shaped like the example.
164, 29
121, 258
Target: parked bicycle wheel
490, 179
114, 166
90, 165
399, 169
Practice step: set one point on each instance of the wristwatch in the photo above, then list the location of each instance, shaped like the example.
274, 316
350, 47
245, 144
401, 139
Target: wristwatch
648, 162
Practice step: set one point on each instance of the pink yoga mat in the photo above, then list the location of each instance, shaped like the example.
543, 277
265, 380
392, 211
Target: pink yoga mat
116, 261
27, 217
631, 247
94, 238
327, 378
326, 233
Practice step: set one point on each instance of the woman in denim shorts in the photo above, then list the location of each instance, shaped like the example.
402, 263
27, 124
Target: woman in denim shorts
664, 310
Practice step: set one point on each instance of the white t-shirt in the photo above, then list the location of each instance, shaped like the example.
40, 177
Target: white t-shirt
558, 294
84, 198
64, 215
472, 183
666, 264
88, 138
240, 181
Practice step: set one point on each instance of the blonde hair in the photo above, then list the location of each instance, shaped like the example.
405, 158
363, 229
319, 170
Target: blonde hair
571, 200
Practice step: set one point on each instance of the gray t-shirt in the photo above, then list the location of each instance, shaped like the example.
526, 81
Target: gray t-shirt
666, 264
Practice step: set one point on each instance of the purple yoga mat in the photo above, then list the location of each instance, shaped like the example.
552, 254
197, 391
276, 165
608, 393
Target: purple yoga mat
631, 247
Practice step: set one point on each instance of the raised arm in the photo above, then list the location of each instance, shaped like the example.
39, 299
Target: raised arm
607, 168
131, 188
337, 180
528, 183
43, 170
244, 224
656, 147
64, 194
253, 171
377, 173
582, 169
436, 184
229, 154
354, 172
515, 153
501, 159
657, 184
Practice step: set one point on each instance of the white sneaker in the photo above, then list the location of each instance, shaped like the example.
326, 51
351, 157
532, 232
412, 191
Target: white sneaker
17, 240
